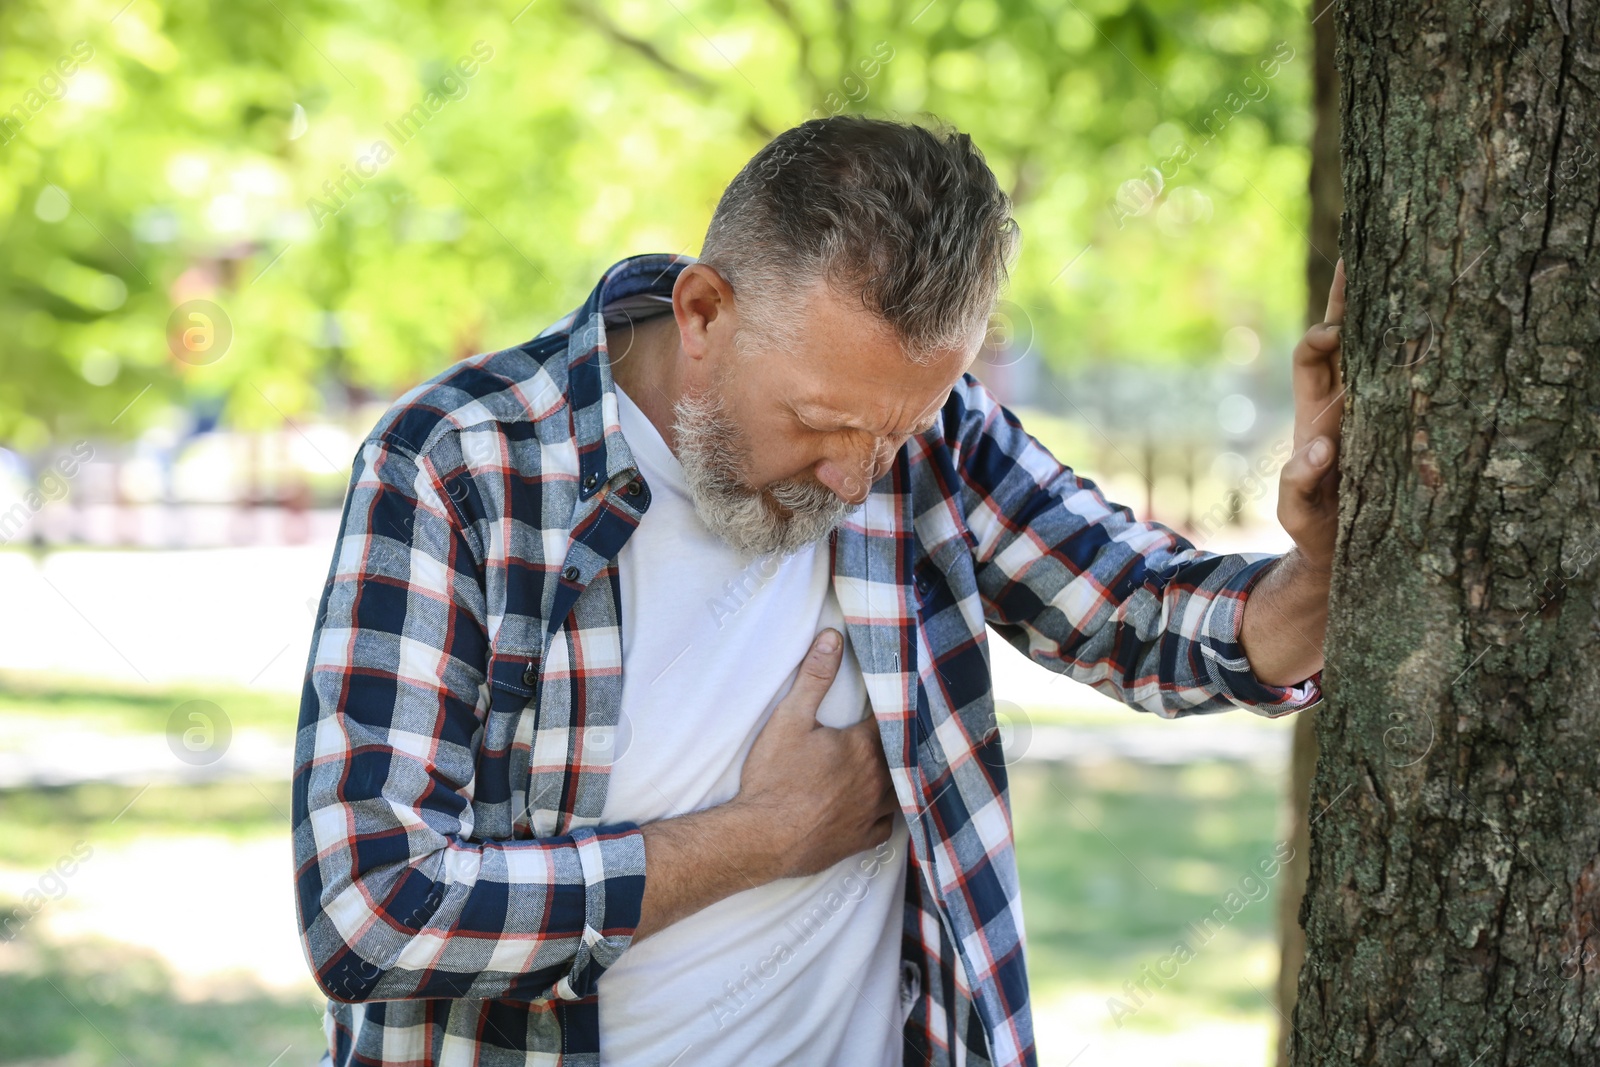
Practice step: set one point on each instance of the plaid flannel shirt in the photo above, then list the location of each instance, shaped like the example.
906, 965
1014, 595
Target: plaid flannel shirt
457, 895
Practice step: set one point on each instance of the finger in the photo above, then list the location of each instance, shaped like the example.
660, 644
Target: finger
1335, 312
1319, 342
1317, 353
1303, 475
888, 804
1318, 395
815, 675
1317, 384
868, 729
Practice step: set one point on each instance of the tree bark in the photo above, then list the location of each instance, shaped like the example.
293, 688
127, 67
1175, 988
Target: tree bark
1327, 202
1452, 912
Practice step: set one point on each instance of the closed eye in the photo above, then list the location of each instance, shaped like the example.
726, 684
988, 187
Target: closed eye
927, 425
839, 425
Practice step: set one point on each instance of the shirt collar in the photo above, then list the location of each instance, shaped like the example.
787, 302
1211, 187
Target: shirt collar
591, 393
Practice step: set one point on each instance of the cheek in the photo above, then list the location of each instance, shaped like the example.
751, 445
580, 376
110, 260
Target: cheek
769, 445
779, 454
777, 448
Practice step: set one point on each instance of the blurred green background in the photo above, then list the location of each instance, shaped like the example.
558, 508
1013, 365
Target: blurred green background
234, 233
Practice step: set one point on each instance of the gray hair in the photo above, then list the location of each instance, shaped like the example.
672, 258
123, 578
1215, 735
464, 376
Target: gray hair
908, 217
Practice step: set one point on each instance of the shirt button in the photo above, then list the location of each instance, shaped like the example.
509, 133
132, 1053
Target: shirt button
632, 488
570, 574
530, 675
591, 481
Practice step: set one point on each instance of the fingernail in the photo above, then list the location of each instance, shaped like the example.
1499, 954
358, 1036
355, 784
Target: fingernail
1318, 452
828, 641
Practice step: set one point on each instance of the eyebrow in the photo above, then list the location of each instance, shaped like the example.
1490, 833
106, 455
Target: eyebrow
840, 419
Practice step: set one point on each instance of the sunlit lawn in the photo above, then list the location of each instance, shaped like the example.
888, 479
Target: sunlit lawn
87, 1005
156, 951
1117, 859
113, 707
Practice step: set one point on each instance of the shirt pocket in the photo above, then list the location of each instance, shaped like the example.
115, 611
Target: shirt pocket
958, 736
955, 713
500, 799
950, 736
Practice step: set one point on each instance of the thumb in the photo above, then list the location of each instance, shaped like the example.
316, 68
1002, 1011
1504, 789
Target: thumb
812, 681
1306, 469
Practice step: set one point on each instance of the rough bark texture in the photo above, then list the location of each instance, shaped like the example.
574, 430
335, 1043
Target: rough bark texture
1453, 906
1322, 250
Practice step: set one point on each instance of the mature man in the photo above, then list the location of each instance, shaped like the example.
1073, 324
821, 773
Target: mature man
585, 773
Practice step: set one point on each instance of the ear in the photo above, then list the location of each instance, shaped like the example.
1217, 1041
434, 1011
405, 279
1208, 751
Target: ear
702, 301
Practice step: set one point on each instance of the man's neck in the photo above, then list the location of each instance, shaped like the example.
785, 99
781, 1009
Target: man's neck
644, 363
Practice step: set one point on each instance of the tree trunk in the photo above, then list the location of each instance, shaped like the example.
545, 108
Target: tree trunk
1327, 201
1452, 912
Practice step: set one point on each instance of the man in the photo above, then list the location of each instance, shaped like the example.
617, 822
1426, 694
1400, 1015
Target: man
585, 773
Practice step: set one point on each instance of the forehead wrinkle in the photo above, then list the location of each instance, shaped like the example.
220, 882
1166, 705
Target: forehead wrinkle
821, 412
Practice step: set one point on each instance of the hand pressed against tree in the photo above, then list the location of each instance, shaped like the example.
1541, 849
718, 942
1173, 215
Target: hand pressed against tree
1286, 615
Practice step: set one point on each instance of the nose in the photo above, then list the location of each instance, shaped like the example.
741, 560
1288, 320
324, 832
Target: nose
852, 479
845, 481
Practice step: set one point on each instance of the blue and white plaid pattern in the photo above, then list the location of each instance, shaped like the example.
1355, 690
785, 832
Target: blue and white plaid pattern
458, 898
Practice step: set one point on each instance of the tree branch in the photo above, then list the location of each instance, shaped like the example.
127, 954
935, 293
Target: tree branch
847, 37
682, 75
803, 45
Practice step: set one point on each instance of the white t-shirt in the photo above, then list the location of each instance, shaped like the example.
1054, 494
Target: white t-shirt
797, 971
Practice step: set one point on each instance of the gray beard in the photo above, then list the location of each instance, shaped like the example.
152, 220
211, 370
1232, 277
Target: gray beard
712, 454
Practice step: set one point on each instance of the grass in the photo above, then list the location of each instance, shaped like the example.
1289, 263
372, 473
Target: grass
130, 708
94, 1004
38, 825
1115, 860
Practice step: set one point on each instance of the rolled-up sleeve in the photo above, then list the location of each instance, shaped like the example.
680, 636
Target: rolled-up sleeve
395, 899
1225, 661
1078, 585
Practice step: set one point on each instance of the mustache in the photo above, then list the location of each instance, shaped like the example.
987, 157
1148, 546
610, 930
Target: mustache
714, 454
803, 497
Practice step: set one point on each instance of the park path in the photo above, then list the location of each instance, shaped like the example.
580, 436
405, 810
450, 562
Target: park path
241, 618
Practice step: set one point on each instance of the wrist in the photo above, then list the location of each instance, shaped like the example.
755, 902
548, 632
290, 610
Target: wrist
1284, 621
1297, 562
696, 859
759, 833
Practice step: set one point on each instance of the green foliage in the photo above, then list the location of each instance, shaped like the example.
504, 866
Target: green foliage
258, 155
101, 1004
